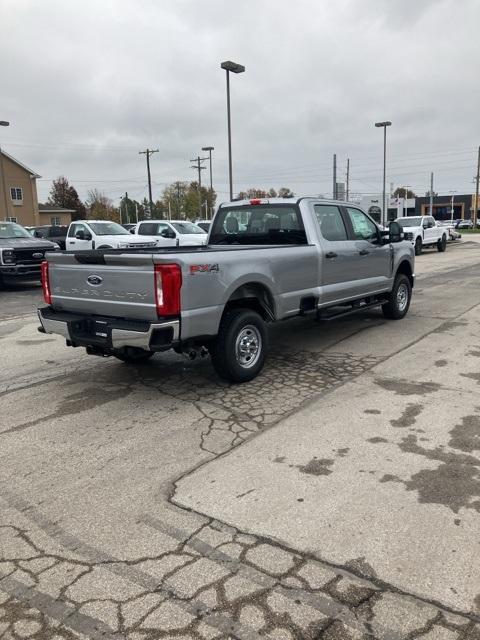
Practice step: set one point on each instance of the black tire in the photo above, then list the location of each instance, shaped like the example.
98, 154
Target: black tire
231, 359
418, 246
132, 355
442, 244
397, 306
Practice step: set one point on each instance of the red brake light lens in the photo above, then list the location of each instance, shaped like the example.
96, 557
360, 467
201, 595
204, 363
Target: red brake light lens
47, 296
168, 283
256, 201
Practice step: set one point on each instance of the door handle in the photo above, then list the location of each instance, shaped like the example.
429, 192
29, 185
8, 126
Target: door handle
71, 242
330, 255
364, 252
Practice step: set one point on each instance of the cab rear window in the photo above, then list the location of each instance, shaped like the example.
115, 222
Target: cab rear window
258, 224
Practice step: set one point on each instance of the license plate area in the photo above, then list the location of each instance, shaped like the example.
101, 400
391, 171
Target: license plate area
90, 328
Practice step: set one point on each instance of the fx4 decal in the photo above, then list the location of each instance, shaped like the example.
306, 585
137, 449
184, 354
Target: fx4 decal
203, 268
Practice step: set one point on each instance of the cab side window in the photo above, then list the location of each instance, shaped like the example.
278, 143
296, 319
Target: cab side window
147, 229
331, 222
72, 231
363, 227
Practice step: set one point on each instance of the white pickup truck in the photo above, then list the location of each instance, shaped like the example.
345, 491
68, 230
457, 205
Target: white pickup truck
422, 231
85, 235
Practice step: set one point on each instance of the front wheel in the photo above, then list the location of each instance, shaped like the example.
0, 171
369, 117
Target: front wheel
398, 299
418, 246
238, 353
442, 244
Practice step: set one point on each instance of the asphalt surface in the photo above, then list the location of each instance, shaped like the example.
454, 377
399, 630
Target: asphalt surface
337, 496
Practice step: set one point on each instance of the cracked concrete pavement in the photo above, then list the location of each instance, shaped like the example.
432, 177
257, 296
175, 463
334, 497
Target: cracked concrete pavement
350, 510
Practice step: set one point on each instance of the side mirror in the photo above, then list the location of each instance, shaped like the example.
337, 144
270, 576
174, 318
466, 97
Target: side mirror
395, 232
80, 235
88, 236
36, 234
132, 230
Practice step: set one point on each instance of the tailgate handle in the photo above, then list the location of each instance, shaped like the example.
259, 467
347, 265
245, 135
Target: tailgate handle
331, 254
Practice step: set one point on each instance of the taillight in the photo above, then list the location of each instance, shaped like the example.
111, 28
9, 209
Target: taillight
256, 201
47, 296
168, 282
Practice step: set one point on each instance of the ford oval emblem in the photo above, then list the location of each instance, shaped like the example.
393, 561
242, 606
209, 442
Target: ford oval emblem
94, 280
37, 256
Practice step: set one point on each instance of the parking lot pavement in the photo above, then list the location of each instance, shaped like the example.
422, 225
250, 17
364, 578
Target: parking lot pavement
337, 535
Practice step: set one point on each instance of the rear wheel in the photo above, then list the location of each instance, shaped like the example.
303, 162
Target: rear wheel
398, 299
442, 244
132, 355
418, 246
239, 351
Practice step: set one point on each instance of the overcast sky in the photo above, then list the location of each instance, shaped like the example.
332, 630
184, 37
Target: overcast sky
86, 84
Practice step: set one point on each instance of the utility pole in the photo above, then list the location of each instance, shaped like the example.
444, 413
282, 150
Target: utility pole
126, 207
477, 179
334, 176
148, 153
348, 180
431, 194
177, 184
198, 160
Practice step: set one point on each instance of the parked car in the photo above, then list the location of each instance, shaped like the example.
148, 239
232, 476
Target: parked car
84, 235
464, 224
54, 233
21, 254
422, 231
172, 232
204, 224
291, 258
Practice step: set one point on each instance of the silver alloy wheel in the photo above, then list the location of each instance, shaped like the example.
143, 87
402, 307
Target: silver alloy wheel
402, 297
248, 346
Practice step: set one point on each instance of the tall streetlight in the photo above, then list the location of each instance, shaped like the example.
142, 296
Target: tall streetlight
405, 193
3, 123
384, 125
210, 149
451, 208
234, 68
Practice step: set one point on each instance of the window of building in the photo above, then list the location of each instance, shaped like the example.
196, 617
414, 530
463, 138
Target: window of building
16, 195
55, 221
11, 219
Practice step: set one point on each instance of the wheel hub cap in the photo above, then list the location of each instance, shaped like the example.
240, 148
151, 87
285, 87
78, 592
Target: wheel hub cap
402, 297
248, 346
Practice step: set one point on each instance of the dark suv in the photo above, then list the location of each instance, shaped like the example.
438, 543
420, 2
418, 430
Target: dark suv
54, 233
20, 254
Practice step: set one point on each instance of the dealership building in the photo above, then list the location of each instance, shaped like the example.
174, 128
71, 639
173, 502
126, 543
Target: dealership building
463, 207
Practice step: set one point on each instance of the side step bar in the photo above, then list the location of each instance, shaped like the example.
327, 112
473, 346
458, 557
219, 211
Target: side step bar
323, 315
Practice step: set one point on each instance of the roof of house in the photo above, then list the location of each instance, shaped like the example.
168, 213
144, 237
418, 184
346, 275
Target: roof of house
17, 162
53, 208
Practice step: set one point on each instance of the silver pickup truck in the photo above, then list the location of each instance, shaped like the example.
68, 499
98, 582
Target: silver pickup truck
265, 261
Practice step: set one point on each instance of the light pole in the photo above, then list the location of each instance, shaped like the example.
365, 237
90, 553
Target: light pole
234, 68
3, 123
405, 207
451, 209
384, 125
210, 149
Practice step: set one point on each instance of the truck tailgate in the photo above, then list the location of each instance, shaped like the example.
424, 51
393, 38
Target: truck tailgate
119, 285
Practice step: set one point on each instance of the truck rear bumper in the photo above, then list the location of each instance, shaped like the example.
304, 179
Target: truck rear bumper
109, 333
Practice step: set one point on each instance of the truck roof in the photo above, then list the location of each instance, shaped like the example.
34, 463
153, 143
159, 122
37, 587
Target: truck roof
294, 199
